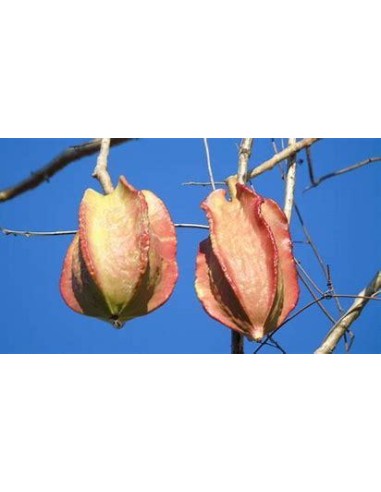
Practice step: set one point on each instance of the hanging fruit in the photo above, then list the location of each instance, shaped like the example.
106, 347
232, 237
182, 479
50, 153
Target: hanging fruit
246, 275
122, 262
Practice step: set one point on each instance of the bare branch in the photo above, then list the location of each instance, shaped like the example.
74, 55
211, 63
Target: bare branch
290, 183
281, 156
210, 170
191, 226
318, 181
308, 277
350, 296
310, 241
68, 156
274, 145
331, 290
341, 327
317, 300
243, 160
100, 172
11, 232
310, 166
277, 345
202, 183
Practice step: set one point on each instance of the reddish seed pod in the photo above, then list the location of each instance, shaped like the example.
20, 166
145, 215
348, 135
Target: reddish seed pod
122, 262
246, 275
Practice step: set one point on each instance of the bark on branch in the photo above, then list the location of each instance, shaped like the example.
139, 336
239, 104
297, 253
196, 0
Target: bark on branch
341, 327
68, 156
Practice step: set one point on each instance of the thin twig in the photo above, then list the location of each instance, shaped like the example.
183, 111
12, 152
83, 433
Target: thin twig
331, 288
209, 164
277, 345
11, 232
290, 183
274, 146
310, 167
202, 183
191, 226
310, 241
308, 277
243, 159
318, 181
275, 149
325, 269
341, 327
68, 156
269, 342
100, 172
319, 303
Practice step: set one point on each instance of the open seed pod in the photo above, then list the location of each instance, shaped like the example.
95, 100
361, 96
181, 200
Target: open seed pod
246, 275
122, 262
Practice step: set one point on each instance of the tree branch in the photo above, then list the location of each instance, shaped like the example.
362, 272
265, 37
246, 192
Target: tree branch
243, 160
281, 156
100, 172
310, 166
290, 183
318, 181
202, 183
12, 232
209, 163
341, 327
68, 156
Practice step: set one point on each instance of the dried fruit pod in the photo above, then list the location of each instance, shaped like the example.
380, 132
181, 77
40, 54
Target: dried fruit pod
122, 262
246, 275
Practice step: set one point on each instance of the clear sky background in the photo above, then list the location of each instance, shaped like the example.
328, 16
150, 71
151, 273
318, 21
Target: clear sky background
343, 216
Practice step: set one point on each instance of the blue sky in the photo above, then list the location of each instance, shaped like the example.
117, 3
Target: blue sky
343, 216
